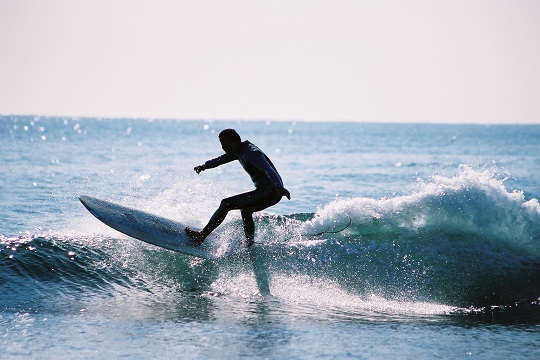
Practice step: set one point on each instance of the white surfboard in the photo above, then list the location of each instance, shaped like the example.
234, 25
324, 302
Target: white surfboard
141, 225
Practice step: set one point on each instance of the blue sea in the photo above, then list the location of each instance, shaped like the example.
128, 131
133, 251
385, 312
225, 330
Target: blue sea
407, 241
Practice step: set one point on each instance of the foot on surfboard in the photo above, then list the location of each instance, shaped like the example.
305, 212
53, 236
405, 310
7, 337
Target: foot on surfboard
248, 242
196, 237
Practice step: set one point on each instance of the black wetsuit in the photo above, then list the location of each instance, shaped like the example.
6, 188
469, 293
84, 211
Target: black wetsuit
267, 187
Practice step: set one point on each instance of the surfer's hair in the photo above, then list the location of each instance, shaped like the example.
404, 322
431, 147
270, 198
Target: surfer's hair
230, 135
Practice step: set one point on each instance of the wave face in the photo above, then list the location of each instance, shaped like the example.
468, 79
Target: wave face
462, 241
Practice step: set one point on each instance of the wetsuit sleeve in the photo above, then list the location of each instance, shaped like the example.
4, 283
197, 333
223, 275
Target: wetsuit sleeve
220, 160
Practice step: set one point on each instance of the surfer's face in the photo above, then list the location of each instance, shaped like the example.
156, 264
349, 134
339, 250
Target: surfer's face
230, 146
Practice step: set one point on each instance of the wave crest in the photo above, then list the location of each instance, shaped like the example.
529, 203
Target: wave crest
472, 202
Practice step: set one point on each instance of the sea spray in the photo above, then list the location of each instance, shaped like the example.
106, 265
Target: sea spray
473, 202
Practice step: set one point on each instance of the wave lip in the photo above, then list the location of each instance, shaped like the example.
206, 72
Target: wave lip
471, 202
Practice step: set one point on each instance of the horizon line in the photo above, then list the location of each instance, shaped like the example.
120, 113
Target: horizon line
359, 121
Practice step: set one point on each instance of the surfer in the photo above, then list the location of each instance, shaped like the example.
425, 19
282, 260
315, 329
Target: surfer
268, 185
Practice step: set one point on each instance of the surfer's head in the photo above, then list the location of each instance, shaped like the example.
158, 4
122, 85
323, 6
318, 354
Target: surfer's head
230, 141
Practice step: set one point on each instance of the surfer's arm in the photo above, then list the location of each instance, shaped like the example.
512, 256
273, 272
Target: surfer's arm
220, 160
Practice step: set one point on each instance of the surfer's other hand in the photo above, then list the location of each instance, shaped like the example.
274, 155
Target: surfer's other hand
285, 192
199, 168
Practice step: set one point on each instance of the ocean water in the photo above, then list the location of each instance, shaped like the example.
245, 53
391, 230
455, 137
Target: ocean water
400, 241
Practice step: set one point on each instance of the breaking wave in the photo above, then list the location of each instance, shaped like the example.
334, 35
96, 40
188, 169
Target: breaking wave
461, 241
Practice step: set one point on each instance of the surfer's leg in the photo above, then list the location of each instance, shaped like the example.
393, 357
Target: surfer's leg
249, 226
232, 203
263, 200
216, 220
249, 202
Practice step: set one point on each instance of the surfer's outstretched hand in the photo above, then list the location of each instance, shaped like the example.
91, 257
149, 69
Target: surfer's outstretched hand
285, 192
199, 168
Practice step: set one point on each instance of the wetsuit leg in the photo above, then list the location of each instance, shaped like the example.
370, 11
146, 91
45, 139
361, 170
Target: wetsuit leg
249, 226
271, 198
248, 203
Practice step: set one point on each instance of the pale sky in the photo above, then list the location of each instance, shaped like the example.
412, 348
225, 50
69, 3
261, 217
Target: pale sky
455, 61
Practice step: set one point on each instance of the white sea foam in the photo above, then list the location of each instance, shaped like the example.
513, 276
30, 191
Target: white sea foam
475, 202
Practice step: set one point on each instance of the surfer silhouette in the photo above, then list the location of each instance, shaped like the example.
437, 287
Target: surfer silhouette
268, 185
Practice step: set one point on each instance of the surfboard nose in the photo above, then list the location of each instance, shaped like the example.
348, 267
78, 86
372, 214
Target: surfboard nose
89, 202
84, 199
